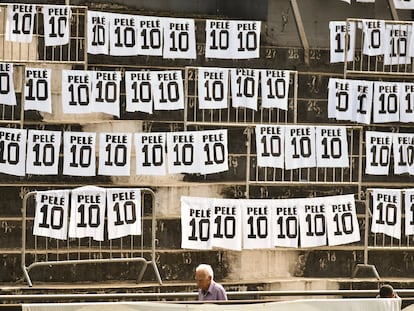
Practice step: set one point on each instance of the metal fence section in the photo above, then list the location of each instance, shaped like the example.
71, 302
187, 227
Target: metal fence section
75, 52
398, 61
40, 251
340, 176
239, 116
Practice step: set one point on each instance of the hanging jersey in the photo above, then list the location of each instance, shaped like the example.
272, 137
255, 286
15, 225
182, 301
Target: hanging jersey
13, 157
122, 35
196, 216
87, 213
378, 152
115, 154
373, 37
167, 89
150, 35
124, 212
51, 215
183, 152
43, 149
138, 91
56, 24
404, 4
226, 222
340, 99
179, 38
7, 93
331, 146
408, 211
214, 158
150, 153
244, 87
77, 91
270, 142
98, 32
79, 156
386, 102
341, 220
285, 223
256, 224
312, 222
406, 97
213, 84
361, 101
342, 36
300, 147
386, 212
403, 153
37, 91
106, 88
20, 22
275, 88
398, 44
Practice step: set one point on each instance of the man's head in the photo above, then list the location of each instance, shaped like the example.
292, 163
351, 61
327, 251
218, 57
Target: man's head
386, 291
203, 276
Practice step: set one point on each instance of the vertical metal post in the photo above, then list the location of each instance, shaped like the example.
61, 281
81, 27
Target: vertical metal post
248, 148
301, 29
394, 13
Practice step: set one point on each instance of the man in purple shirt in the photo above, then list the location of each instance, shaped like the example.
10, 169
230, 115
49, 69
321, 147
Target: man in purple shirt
207, 288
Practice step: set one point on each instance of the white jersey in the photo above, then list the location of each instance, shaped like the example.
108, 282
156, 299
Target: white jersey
226, 222
20, 22
386, 102
275, 88
56, 24
115, 154
13, 157
138, 91
106, 89
256, 224
150, 153
123, 35
378, 152
212, 85
167, 89
79, 156
244, 87
7, 93
374, 37
341, 220
87, 213
179, 38
408, 211
37, 91
77, 91
43, 149
270, 143
51, 215
285, 223
124, 212
196, 216
312, 222
98, 32
386, 212
331, 146
150, 35
342, 36
300, 147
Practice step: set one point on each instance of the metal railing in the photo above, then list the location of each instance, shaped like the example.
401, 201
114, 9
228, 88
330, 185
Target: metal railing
40, 251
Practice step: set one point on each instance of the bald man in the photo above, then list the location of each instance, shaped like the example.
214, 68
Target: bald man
207, 288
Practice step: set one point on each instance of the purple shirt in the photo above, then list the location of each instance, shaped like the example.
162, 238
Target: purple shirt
215, 292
